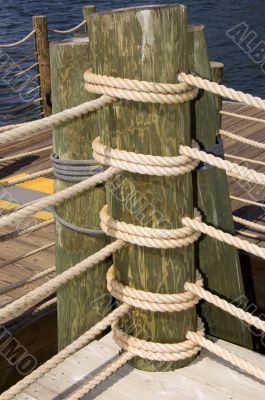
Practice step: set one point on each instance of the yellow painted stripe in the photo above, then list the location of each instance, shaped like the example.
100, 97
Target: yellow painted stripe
7, 205
44, 185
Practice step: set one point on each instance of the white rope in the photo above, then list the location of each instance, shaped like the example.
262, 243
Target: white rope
69, 350
250, 224
140, 91
224, 237
26, 231
26, 255
225, 305
30, 177
148, 237
249, 160
52, 200
227, 356
222, 90
43, 291
6, 46
141, 163
30, 128
246, 201
75, 28
26, 154
243, 117
241, 139
238, 171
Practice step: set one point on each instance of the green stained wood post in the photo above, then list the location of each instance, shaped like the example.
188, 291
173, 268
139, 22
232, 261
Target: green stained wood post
84, 301
147, 43
43, 58
218, 261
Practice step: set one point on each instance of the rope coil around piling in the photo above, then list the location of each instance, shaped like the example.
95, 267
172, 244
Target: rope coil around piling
140, 91
156, 351
141, 163
156, 302
148, 237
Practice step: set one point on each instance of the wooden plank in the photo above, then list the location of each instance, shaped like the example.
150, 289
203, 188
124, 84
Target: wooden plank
207, 378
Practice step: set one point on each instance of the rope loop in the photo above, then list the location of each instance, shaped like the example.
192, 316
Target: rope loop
142, 163
157, 351
140, 91
151, 301
148, 237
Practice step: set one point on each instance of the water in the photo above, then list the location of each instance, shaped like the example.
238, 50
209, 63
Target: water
241, 71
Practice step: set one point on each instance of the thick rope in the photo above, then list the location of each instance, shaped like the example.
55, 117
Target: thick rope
224, 237
30, 177
102, 376
156, 302
52, 200
148, 237
140, 91
249, 160
69, 350
241, 139
243, 117
156, 351
26, 255
27, 281
222, 90
225, 305
250, 224
7, 46
23, 155
246, 201
238, 171
141, 163
26, 130
40, 293
26, 231
227, 356
75, 28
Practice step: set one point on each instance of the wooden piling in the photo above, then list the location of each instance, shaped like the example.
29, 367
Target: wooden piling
84, 301
147, 43
43, 59
218, 261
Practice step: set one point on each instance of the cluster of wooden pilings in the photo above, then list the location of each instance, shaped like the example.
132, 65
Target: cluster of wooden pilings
152, 44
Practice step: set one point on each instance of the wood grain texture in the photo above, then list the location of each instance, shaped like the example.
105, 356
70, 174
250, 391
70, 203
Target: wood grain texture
43, 59
218, 261
147, 43
84, 301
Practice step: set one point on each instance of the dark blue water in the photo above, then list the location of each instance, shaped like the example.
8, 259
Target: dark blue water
244, 66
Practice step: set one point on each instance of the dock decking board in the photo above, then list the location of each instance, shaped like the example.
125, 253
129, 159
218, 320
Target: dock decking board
206, 378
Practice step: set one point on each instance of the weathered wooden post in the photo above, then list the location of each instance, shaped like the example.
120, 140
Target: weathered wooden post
83, 301
217, 69
43, 59
218, 261
147, 43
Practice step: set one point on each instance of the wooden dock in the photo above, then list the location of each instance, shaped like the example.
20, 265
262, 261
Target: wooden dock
220, 382
59, 380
